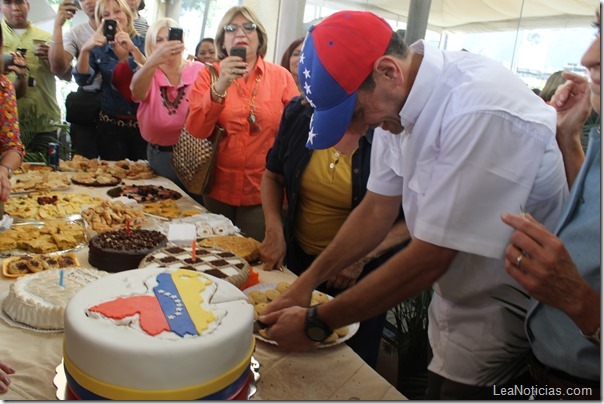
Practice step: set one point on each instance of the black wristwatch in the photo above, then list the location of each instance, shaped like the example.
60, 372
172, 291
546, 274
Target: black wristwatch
314, 328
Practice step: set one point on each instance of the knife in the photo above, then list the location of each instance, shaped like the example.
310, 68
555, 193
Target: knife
259, 325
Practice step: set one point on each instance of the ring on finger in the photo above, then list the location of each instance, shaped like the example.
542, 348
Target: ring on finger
519, 260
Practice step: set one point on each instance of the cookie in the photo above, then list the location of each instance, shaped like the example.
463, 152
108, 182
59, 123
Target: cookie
260, 307
258, 296
282, 286
272, 294
342, 331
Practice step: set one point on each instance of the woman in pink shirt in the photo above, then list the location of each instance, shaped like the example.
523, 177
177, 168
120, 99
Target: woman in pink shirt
161, 87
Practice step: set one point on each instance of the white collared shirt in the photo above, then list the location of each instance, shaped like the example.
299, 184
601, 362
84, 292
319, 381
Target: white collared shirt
477, 143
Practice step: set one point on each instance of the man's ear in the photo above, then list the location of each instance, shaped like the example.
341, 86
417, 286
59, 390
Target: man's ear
387, 68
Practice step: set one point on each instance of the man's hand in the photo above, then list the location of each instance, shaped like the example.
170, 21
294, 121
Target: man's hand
286, 328
65, 12
347, 277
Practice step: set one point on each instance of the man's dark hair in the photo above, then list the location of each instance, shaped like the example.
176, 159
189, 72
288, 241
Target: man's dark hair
396, 47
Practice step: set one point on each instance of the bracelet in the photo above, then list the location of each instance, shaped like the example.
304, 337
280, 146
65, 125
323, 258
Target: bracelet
595, 337
20, 76
8, 169
55, 42
216, 93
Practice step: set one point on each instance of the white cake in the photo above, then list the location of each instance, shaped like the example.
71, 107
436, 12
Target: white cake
193, 339
38, 300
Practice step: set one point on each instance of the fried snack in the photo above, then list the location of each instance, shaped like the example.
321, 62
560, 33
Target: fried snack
167, 208
55, 235
112, 215
47, 205
39, 181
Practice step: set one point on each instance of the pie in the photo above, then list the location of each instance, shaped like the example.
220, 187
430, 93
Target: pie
95, 179
144, 193
27, 264
39, 181
245, 247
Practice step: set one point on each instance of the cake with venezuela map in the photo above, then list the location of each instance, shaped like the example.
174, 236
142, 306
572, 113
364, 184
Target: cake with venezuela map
158, 334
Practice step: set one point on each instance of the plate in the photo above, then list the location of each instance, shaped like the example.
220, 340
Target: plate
263, 287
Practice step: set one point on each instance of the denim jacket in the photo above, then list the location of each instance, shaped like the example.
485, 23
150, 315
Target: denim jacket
103, 59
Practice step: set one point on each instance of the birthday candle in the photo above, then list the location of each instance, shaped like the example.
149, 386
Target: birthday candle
61, 277
194, 249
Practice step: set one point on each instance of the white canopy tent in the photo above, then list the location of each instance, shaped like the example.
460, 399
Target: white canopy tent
482, 15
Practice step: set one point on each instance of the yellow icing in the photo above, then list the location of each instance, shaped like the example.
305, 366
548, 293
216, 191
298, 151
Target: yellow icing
190, 285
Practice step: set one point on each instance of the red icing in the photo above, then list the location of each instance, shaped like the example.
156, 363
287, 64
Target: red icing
151, 316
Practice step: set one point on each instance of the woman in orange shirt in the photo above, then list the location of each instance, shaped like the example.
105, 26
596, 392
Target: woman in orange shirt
247, 100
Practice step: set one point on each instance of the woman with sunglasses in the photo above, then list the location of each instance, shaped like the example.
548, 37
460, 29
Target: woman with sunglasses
247, 100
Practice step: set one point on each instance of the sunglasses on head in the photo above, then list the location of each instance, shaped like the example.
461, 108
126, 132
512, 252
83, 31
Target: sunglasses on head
247, 27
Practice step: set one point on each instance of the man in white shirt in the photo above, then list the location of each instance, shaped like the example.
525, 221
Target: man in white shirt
63, 50
461, 141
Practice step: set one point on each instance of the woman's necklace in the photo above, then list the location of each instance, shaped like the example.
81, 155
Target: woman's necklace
254, 126
172, 106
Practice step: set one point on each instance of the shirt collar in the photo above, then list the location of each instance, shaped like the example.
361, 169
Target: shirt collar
423, 86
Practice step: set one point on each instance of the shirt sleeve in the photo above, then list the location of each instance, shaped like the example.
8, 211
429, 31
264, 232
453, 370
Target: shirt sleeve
383, 179
10, 138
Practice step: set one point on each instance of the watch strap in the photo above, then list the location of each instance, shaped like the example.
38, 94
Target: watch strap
313, 321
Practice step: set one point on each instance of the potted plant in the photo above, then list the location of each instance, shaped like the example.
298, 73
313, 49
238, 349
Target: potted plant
411, 344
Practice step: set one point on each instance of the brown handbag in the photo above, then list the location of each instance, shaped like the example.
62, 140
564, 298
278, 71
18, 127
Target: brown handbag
193, 158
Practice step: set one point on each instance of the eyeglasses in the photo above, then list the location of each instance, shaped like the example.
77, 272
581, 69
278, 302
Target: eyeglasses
247, 27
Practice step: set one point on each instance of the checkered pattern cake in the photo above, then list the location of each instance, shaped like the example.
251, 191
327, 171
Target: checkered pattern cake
211, 260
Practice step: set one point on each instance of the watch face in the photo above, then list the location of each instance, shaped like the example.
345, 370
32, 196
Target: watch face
315, 333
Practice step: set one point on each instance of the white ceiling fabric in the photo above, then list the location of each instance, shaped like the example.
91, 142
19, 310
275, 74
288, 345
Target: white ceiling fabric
486, 15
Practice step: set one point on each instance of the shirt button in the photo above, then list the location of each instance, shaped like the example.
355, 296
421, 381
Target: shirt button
337, 154
332, 165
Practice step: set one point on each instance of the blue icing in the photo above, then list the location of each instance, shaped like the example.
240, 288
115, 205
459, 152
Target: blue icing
173, 307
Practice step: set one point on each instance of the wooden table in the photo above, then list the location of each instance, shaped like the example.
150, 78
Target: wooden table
334, 373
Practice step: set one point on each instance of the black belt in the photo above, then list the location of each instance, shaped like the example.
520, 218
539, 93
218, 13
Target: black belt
161, 148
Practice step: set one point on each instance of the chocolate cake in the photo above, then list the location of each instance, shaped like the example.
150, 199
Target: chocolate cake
116, 251
210, 260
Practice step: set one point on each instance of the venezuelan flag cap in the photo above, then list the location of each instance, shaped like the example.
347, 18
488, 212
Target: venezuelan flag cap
337, 56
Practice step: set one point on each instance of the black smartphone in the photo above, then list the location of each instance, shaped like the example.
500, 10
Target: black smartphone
238, 51
77, 4
109, 29
174, 34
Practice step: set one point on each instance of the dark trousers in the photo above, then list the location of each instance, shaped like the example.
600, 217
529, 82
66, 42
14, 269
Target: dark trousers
557, 385
366, 342
440, 388
121, 142
84, 140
